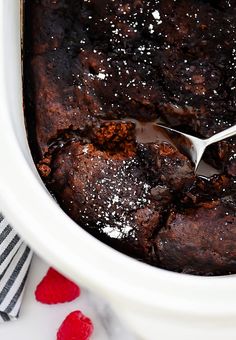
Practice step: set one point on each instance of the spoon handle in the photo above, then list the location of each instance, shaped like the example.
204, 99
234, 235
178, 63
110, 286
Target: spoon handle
222, 135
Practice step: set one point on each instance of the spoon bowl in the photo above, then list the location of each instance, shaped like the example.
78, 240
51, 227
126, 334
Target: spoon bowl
195, 147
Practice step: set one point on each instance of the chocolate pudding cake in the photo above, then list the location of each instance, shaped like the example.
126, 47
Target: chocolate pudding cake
98, 74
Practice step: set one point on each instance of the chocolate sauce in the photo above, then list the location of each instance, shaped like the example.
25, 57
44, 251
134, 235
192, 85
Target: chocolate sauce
206, 170
150, 132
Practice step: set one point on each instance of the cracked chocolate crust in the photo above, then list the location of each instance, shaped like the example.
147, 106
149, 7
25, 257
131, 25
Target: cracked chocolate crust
88, 66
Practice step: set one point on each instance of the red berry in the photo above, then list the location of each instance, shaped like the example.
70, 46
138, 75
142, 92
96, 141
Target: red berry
55, 288
76, 326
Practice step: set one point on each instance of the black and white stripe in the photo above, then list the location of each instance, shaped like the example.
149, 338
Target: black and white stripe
15, 258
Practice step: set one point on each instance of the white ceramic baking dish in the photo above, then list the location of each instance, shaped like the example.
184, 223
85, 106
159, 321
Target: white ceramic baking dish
155, 303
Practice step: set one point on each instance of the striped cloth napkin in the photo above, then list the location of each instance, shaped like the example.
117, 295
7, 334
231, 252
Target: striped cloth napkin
15, 258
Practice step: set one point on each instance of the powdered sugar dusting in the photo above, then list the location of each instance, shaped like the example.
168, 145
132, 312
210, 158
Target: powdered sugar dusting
101, 75
156, 15
113, 197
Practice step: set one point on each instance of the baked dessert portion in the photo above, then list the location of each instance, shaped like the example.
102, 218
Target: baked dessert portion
94, 71
199, 239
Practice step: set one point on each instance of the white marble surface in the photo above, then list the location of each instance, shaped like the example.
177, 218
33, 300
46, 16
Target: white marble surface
38, 321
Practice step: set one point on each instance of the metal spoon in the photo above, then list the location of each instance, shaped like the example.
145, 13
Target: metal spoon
195, 147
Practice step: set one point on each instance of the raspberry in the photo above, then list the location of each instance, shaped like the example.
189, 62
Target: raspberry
76, 326
55, 288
